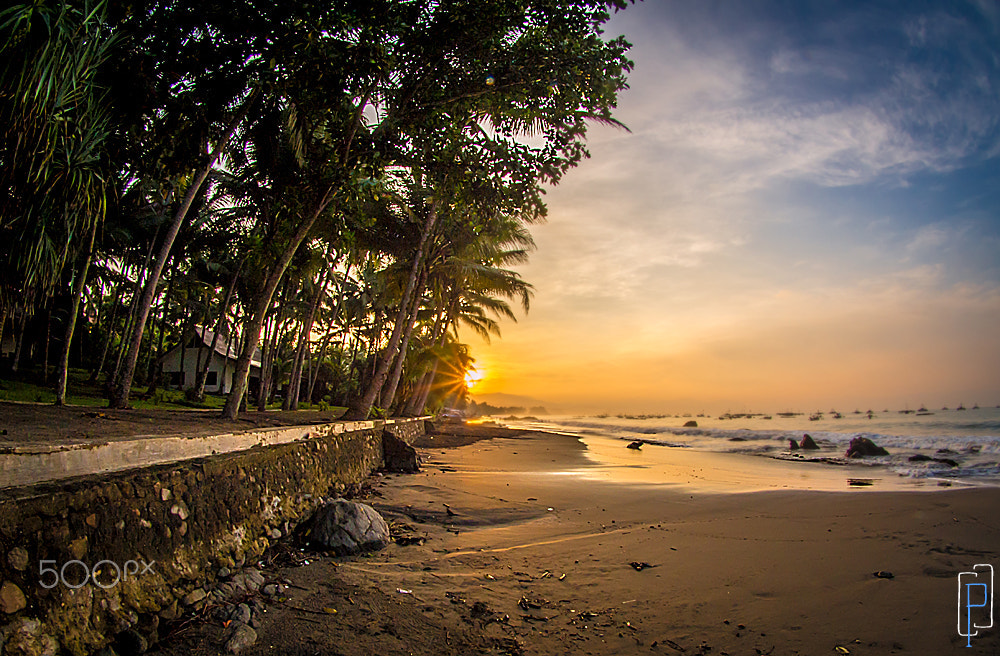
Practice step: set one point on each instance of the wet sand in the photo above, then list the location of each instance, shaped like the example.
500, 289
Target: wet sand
528, 549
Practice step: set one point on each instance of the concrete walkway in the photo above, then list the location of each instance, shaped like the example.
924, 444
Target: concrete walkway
30, 464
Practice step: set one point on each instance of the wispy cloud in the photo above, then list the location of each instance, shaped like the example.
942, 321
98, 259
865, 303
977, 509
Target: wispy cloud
795, 198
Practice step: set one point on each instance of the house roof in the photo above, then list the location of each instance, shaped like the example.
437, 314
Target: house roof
223, 347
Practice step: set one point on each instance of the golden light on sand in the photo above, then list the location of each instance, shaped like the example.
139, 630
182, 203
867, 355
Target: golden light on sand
472, 377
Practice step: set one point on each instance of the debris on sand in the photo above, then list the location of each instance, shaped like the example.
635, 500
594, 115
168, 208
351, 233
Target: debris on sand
639, 566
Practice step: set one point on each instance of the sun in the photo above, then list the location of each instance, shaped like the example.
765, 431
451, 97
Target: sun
472, 377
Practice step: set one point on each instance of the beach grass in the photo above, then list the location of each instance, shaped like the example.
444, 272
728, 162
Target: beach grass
80, 391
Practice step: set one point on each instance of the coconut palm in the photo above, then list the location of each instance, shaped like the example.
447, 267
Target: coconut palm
468, 283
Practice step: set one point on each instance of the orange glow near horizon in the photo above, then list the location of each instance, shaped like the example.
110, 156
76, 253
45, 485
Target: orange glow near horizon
732, 253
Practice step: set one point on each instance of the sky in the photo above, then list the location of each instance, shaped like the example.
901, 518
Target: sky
805, 215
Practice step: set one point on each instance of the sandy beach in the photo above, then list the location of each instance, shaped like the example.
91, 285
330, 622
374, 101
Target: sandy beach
527, 553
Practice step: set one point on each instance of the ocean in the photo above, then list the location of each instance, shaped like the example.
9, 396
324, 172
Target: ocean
947, 447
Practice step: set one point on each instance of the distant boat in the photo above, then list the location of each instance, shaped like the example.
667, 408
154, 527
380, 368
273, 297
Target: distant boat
946, 407
960, 407
921, 409
837, 415
815, 417
975, 407
769, 416
857, 412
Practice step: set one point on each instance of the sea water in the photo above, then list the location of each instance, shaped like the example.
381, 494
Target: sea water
959, 446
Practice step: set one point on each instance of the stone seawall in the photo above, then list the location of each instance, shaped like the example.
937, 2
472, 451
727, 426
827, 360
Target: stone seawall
159, 534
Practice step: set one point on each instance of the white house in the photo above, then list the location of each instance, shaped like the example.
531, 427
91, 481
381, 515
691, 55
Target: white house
181, 365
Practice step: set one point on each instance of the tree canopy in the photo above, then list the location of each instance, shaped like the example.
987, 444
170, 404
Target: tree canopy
330, 189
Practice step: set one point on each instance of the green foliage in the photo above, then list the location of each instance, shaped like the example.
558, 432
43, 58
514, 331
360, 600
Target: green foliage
55, 121
391, 150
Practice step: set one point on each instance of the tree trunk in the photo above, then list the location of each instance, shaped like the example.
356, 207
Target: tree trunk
219, 324
363, 406
19, 341
291, 401
397, 369
81, 281
261, 303
233, 337
419, 405
314, 373
199, 375
426, 377
155, 381
309, 364
269, 350
327, 337
133, 310
185, 324
263, 390
3, 323
123, 384
48, 338
109, 325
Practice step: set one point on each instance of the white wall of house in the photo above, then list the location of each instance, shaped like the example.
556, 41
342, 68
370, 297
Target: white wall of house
216, 382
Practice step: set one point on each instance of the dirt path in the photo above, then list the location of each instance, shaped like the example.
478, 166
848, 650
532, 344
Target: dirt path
28, 423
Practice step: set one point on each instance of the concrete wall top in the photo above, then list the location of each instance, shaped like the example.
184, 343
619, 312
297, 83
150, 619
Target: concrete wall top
40, 463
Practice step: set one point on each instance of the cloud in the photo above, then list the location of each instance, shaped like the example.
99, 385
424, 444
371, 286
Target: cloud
792, 215
929, 238
738, 104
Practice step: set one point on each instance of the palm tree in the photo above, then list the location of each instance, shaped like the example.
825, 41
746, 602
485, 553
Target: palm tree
53, 165
470, 283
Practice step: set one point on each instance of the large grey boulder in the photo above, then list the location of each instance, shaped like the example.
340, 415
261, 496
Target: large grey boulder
347, 528
397, 455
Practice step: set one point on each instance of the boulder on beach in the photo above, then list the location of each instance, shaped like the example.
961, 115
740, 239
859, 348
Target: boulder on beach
793, 445
635, 445
691, 424
808, 442
347, 528
862, 446
397, 455
922, 458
